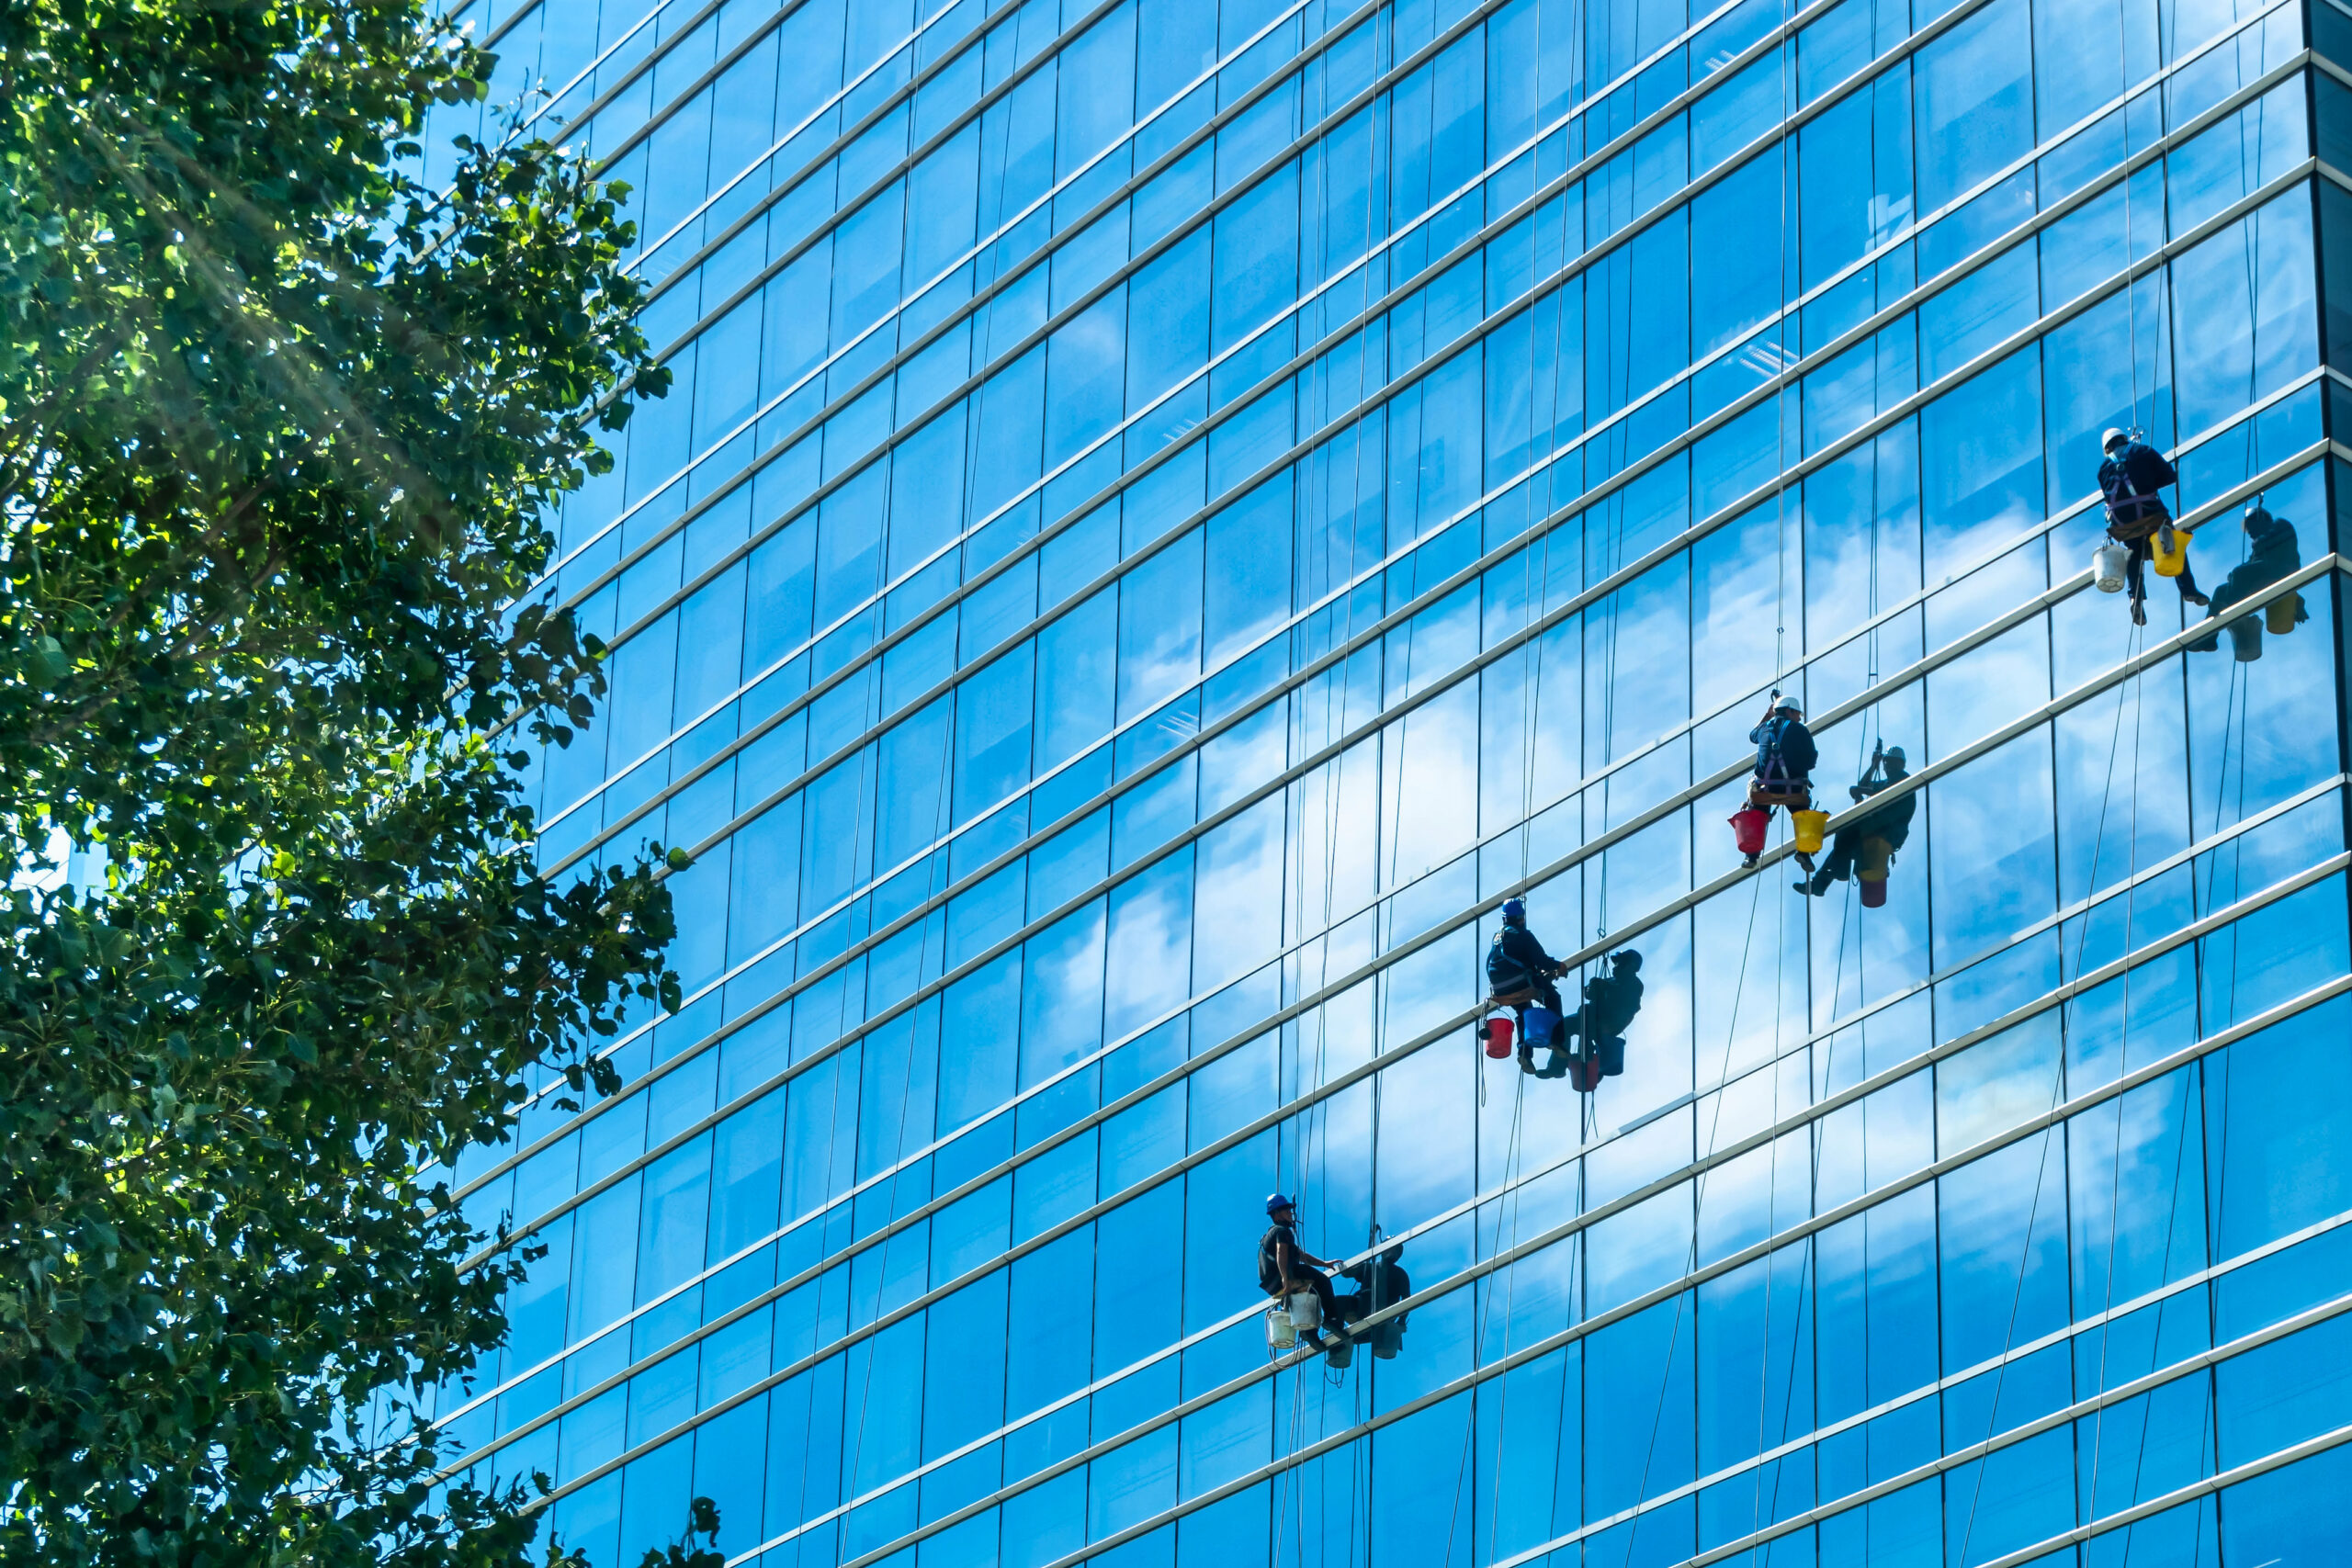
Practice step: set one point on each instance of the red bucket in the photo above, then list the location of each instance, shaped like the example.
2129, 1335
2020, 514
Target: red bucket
1747, 825
1583, 1077
1499, 1031
1873, 893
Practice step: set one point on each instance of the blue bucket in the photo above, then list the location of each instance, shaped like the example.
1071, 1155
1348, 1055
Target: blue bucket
1540, 1024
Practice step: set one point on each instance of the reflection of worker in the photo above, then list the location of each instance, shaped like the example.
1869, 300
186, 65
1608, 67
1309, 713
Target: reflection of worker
1381, 1283
2272, 554
1891, 822
2132, 478
1284, 1268
1610, 1003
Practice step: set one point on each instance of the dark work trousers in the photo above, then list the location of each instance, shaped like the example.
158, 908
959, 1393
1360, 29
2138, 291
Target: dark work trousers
1844, 846
1320, 1283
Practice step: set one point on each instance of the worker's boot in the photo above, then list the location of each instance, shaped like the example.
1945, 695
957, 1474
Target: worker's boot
1805, 861
2138, 612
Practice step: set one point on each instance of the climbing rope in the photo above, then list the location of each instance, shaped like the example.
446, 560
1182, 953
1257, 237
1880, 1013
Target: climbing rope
1314, 1139
2065, 1013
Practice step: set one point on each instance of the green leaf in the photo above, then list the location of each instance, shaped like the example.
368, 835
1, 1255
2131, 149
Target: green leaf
283, 427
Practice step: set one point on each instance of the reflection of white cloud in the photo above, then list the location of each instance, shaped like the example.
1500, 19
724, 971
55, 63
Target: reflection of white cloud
1437, 782
1237, 909
1150, 935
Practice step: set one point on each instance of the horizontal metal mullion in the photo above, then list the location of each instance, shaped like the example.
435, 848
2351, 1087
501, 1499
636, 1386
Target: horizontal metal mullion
586, 118
917, 80
2189, 1366
1858, 704
2010, 1358
1974, 751
1638, 1304
1381, 85
970, 115
1795, 370
907, 429
1823, 1107
1355, 643
1728, 165
1314, 49
2157, 946
1598, 845
873, 117
2054, 921
2308, 1449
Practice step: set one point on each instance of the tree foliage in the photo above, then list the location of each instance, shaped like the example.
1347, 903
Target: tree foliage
278, 430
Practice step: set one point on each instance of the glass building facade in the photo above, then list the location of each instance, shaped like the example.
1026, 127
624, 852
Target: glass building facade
1173, 510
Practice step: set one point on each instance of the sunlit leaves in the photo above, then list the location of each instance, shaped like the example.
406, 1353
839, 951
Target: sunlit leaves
280, 429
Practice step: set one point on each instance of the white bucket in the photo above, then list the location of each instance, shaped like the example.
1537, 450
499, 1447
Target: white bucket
2108, 563
1286, 1321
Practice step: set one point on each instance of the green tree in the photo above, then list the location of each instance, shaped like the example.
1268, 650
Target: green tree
279, 429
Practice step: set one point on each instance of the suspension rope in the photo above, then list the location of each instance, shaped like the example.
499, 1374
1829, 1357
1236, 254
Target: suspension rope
2115, 1182
1314, 1141
2066, 1008
1574, 92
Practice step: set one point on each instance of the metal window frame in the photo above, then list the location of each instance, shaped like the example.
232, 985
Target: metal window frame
1794, 370
1381, 85
1825, 1106
1819, 1433
1730, 165
1501, 650
2211, 844
2203, 1360
1533, 631
1828, 1104
2060, 1111
1296, 773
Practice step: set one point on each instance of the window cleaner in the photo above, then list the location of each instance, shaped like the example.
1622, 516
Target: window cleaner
2132, 478
1611, 1002
1867, 846
1784, 758
2272, 554
1380, 1284
1521, 977
1305, 1307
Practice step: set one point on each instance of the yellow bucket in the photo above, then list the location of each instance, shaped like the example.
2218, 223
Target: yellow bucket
2280, 613
2168, 550
1808, 827
1871, 864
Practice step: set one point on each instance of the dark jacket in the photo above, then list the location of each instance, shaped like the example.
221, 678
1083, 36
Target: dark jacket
1891, 821
1784, 748
1270, 1264
1515, 961
2131, 481
1610, 1002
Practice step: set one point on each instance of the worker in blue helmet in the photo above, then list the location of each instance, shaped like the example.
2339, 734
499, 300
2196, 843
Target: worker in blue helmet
1286, 1268
1521, 974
